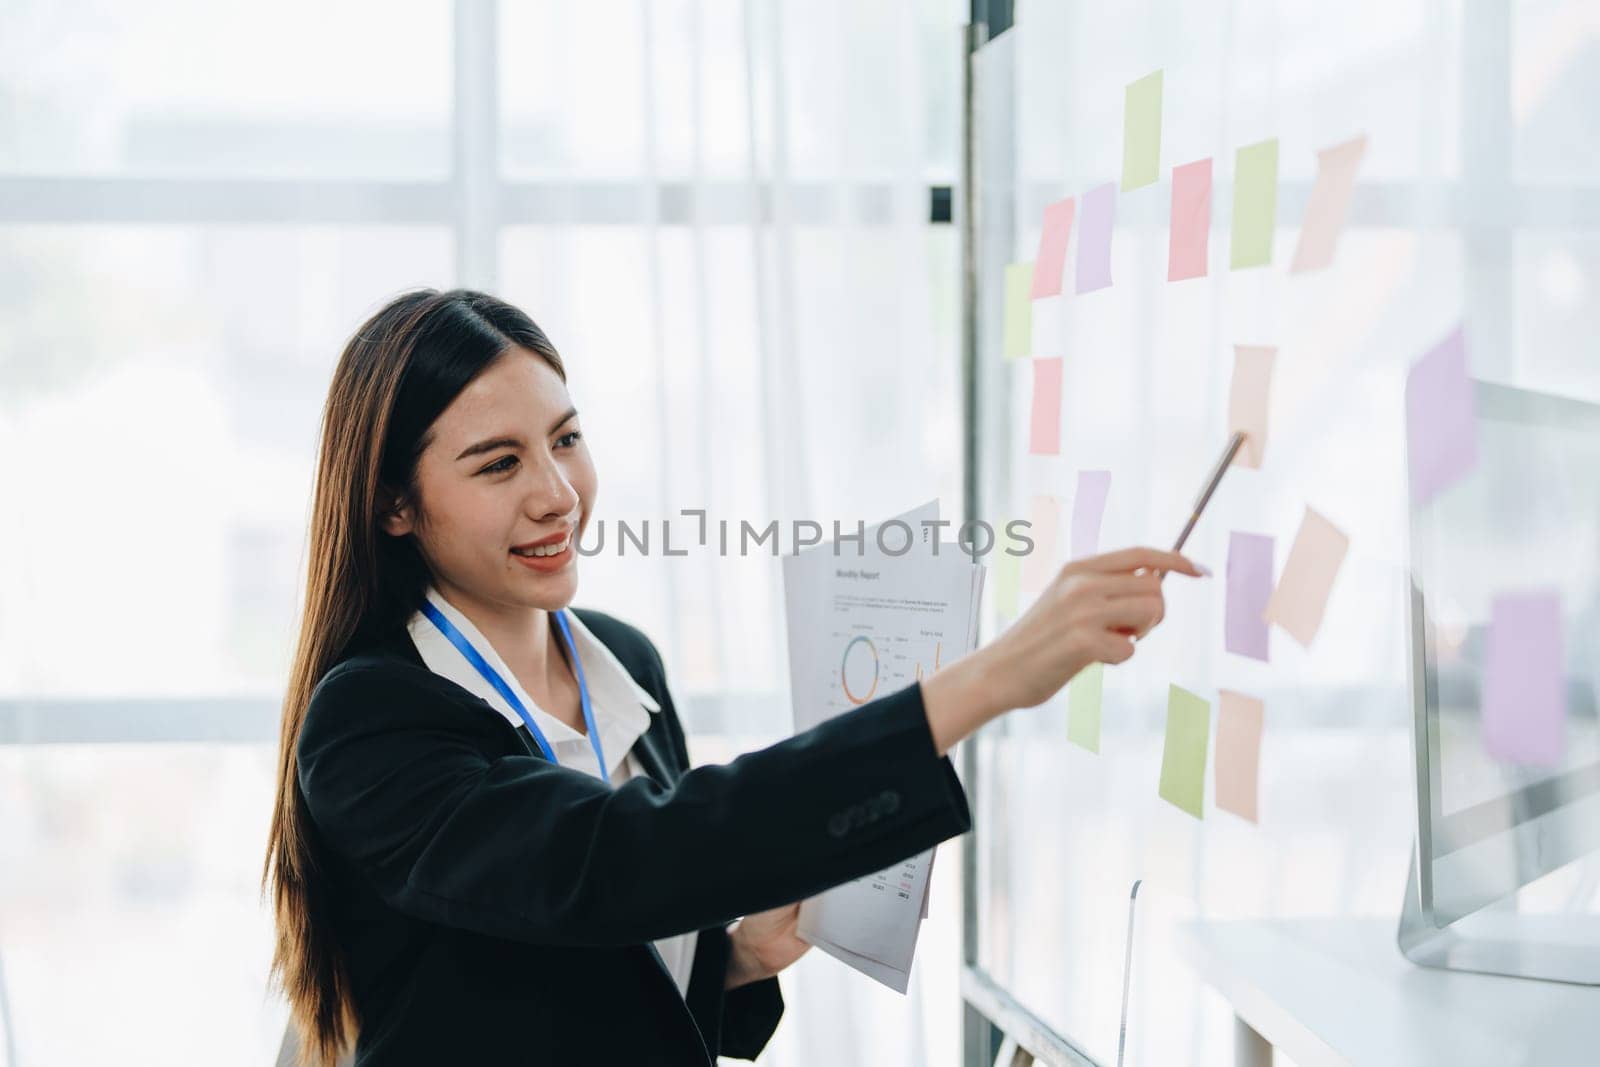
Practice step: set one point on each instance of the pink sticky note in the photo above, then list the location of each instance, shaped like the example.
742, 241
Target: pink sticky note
1329, 204
1094, 238
1441, 418
1524, 708
1191, 221
1088, 506
1247, 400
1052, 257
1245, 632
1039, 565
1044, 427
1297, 604
1239, 719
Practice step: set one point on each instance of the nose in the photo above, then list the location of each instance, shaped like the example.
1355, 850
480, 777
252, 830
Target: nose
551, 495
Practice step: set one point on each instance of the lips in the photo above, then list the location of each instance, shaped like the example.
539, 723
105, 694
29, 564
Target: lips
553, 545
548, 564
547, 550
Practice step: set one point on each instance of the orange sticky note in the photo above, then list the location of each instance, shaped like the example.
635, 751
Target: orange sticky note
1239, 719
1191, 221
1052, 257
1298, 602
1039, 566
1044, 427
1329, 204
1247, 400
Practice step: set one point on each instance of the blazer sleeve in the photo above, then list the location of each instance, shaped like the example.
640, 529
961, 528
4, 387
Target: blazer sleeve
399, 782
736, 1023
750, 1014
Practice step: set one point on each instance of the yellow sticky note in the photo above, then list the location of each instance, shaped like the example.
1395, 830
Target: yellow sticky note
1255, 203
1141, 132
1183, 756
1018, 325
1297, 604
1084, 695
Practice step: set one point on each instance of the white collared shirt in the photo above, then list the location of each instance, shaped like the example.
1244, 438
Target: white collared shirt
621, 709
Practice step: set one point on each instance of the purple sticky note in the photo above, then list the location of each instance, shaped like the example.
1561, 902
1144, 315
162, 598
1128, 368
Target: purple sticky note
1249, 589
1441, 418
1088, 505
1524, 707
1094, 238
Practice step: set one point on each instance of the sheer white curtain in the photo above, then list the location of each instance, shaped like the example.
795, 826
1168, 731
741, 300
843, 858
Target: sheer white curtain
770, 336
767, 330
719, 212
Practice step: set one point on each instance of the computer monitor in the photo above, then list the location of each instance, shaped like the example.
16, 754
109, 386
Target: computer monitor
1526, 518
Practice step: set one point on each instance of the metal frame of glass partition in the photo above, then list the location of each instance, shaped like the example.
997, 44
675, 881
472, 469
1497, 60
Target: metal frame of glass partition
996, 1028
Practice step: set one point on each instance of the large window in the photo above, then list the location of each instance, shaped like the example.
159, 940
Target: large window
198, 204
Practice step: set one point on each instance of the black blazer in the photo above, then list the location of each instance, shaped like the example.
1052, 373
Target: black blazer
495, 908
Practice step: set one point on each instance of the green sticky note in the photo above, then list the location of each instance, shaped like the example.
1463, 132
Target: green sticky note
1183, 757
1007, 580
1141, 132
1083, 706
1019, 310
1255, 203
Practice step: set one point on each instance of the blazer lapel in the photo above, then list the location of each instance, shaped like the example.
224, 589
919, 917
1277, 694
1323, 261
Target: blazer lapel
651, 752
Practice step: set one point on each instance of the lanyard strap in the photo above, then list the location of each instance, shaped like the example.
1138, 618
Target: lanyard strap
583, 695
492, 676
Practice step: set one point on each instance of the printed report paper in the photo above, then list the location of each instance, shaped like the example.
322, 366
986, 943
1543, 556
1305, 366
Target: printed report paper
863, 624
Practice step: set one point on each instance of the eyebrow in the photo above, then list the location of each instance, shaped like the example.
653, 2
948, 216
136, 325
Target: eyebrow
509, 441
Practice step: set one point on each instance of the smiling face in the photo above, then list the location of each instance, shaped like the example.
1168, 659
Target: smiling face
505, 466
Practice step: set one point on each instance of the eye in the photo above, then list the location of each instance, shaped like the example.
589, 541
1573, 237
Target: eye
567, 440
501, 465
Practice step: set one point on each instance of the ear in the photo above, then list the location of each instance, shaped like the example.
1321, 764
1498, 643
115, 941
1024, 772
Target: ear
399, 518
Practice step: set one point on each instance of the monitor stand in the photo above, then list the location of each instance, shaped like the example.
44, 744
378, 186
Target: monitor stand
1554, 948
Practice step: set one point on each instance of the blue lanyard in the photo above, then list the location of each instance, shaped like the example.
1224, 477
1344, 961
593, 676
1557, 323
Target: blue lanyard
492, 676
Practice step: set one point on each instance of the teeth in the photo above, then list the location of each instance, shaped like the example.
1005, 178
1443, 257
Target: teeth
544, 550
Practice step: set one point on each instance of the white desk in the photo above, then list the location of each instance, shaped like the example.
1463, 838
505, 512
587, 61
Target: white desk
1337, 991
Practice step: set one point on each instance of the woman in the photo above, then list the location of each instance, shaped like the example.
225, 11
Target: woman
488, 846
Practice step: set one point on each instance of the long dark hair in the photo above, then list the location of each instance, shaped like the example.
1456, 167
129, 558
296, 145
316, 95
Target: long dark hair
402, 368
